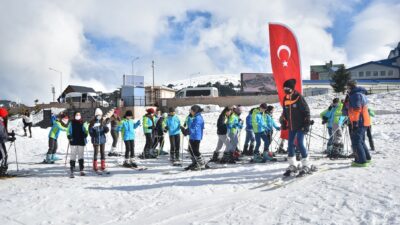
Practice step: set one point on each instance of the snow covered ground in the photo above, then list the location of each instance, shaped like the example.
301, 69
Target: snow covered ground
338, 195
204, 79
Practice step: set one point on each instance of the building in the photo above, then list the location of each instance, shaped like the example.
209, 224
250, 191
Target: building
383, 69
75, 89
132, 91
154, 95
323, 72
7, 104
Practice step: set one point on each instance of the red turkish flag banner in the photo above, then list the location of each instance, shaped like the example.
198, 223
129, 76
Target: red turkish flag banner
285, 60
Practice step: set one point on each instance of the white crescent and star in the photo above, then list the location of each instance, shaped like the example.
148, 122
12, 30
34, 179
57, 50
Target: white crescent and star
283, 47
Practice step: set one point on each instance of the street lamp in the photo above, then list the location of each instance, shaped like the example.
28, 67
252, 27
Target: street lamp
133, 64
191, 75
60, 78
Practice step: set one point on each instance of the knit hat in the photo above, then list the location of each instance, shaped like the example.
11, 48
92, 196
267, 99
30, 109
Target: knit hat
351, 84
128, 113
196, 108
335, 100
3, 112
239, 109
150, 110
270, 108
263, 106
290, 84
171, 110
165, 115
98, 112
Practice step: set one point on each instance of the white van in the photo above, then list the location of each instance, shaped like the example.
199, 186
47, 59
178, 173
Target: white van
197, 92
85, 97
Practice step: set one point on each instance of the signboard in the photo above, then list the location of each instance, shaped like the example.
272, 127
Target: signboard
131, 80
258, 83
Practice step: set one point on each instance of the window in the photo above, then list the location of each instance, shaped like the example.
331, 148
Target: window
383, 73
368, 73
375, 73
361, 73
390, 73
195, 93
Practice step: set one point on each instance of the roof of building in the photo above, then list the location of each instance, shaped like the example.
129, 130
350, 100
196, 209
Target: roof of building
384, 62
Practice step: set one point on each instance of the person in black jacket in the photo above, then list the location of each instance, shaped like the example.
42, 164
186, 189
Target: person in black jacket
77, 134
296, 118
222, 130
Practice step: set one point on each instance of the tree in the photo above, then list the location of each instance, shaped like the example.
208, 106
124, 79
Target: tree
339, 80
36, 101
170, 85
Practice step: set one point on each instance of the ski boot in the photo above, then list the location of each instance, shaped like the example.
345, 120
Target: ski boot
72, 167
132, 163
126, 164
292, 170
227, 158
251, 150
245, 150
95, 168
215, 157
257, 158
306, 168
54, 157
103, 165
268, 156
48, 159
162, 152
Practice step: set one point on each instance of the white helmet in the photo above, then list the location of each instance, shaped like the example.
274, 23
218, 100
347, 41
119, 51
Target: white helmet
98, 112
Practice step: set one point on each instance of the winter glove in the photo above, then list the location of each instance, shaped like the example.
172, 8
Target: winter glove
12, 139
278, 128
69, 137
97, 124
186, 133
324, 120
355, 125
330, 108
306, 129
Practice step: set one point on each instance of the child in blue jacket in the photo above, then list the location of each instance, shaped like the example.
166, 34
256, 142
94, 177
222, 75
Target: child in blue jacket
127, 128
195, 132
173, 125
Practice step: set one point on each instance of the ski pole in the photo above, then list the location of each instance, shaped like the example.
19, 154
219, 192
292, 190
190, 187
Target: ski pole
192, 153
309, 139
66, 157
16, 156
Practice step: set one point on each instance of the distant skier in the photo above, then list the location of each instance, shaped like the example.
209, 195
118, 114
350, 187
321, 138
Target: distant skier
296, 118
172, 126
60, 124
27, 121
222, 130
195, 132
115, 120
235, 124
77, 133
250, 138
357, 111
127, 128
148, 127
4, 137
97, 131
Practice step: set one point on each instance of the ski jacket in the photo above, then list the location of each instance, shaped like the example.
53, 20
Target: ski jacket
271, 123
148, 124
127, 128
371, 113
3, 133
222, 128
188, 121
173, 124
97, 131
249, 125
296, 112
358, 108
333, 115
258, 121
160, 125
77, 132
196, 128
55, 129
234, 123
27, 119
115, 121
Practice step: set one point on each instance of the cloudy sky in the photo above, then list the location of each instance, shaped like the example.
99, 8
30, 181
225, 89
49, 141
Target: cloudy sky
93, 42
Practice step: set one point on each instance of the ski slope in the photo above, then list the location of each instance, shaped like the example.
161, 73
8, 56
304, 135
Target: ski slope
338, 195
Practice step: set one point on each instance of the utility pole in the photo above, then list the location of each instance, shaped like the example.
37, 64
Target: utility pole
53, 91
153, 91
